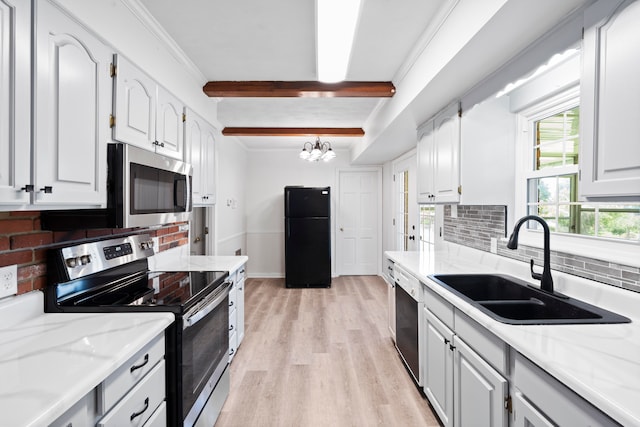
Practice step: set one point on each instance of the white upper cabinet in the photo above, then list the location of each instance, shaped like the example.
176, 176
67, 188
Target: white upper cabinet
425, 163
200, 142
146, 115
72, 100
170, 125
610, 105
15, 95
439, 158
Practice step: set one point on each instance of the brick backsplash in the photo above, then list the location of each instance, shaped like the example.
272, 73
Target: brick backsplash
23, 242
475, 225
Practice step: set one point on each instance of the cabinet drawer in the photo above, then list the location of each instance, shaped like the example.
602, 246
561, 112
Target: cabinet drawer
138, 405
407, 282
159, 417
240, 274
233, 345
438, 306
80, 414
233, 323
388, 270
492, 348
553, 399
126, 376
232, 297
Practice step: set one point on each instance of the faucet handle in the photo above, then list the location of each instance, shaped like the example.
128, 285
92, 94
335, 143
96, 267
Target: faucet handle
537, 276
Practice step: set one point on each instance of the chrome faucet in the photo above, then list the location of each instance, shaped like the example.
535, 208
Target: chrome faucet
546, 281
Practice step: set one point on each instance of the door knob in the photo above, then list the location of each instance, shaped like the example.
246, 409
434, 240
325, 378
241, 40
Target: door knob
341, 229
197, 239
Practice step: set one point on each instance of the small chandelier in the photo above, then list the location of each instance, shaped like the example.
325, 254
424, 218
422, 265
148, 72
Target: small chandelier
319, 151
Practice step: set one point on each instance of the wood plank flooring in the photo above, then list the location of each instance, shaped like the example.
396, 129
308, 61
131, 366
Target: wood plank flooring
320, 357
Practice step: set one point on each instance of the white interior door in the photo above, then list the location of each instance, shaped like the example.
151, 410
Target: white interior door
358, 222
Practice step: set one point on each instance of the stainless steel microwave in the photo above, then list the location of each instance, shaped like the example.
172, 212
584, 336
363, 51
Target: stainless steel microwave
143, 189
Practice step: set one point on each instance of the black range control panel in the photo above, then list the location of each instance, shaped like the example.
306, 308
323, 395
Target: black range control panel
115, 251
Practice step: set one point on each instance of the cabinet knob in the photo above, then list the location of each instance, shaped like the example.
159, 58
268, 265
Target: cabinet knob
47, 189
28, 188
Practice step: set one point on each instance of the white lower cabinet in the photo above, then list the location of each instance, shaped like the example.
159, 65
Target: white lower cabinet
479, 391
137, 406
465, 367
541, 400
233, 336
525, 414
240, 304
462, 387
82, 413
236, 310
133, 395
438, 367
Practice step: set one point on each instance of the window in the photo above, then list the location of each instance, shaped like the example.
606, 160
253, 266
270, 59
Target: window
551, 167
402, 211
427, 227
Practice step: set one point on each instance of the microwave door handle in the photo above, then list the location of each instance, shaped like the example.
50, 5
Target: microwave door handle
189, 195
185, 199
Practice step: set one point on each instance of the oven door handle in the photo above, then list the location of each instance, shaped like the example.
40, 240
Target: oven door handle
199, 313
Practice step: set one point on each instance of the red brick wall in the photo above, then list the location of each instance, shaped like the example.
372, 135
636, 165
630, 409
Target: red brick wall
22, 242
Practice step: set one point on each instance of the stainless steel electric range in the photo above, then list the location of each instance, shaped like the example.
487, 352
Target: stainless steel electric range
113, 276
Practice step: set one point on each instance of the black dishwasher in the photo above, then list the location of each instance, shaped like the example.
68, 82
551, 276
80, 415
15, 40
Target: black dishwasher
407, 323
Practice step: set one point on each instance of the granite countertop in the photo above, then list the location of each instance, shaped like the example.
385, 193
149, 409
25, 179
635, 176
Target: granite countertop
49, 361
601, 363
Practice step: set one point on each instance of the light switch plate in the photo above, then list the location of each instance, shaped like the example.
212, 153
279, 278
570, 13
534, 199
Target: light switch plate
8, 280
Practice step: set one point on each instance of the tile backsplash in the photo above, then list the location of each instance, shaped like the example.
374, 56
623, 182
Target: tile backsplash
23, 242
475, 225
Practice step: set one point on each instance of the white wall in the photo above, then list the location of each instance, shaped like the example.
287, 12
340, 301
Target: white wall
268, 172
231, 225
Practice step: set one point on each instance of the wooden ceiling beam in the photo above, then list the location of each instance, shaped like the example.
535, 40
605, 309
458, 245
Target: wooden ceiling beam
308, 89
239, 131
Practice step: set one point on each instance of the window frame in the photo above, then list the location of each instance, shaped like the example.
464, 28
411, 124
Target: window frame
612, 250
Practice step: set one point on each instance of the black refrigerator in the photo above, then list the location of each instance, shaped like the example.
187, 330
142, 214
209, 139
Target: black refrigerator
307, 230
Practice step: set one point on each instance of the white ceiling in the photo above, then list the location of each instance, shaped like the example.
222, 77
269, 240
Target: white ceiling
275, 40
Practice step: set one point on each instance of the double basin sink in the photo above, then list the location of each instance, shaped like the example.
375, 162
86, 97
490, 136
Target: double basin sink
510, 300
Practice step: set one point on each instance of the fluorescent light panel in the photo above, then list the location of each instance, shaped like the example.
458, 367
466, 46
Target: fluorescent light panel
336, 27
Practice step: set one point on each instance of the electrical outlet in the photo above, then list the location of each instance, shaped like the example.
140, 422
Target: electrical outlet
494, 245
8, 280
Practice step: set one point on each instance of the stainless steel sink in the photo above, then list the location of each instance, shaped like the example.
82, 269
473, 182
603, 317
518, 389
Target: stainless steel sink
510, 300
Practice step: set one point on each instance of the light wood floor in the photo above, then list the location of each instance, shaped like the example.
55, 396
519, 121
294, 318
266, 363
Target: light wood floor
320, 357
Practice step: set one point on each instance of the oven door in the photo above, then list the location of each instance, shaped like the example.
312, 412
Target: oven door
205, 350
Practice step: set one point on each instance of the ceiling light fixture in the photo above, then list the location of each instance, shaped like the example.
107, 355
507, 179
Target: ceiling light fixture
319, 151
336, 27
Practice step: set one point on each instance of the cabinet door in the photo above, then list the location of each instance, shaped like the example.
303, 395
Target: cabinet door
526, 415
446, 129
240, 305
610, 106
438, 384
425, 163
72, 100
209, 165
169, 125
15, 96
134, 105
479, 390
194, 132
391, 302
